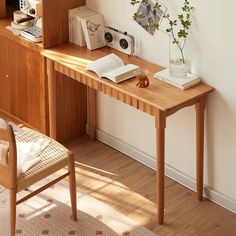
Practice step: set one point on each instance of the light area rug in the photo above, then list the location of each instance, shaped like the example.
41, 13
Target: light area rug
49, 213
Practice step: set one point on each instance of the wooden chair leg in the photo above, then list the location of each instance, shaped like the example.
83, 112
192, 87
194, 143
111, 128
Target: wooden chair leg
12, 212
72, 183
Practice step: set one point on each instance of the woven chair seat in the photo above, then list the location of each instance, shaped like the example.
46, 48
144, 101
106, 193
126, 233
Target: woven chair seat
53, 158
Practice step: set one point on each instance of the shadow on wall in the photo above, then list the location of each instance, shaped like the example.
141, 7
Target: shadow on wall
220, 137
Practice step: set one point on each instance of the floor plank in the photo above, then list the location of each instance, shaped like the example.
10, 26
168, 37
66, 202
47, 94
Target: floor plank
129, 187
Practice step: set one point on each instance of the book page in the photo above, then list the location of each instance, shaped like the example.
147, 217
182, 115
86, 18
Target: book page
105, 64
122, 73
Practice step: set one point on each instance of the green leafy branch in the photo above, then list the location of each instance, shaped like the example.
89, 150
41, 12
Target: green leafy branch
183, 23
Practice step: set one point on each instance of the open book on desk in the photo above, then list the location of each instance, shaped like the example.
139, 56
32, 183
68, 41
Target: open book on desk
113, 68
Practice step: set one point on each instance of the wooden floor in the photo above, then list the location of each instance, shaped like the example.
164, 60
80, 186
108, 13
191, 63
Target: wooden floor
129, 187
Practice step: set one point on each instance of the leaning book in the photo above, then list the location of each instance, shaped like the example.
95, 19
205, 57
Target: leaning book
184, 82
93, 28
112, 67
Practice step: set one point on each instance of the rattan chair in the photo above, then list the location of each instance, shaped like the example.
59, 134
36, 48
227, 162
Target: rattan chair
53, 158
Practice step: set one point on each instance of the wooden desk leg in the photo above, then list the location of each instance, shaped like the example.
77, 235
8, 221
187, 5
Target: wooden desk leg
160, 160
200, 107
92, 95
52, 99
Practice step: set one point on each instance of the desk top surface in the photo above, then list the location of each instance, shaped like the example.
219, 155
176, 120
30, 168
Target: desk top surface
159, 94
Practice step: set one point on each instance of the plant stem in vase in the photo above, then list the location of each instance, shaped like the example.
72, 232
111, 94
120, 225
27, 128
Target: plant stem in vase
177, 61
177, 29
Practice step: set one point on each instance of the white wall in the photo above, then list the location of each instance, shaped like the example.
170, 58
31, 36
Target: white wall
213, 55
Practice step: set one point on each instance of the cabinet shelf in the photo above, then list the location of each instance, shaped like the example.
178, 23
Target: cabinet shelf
23, 78
55, 20
4, 22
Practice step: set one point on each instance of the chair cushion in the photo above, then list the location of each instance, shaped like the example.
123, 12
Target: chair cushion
4, 148
3, 124
3, 145
54, 154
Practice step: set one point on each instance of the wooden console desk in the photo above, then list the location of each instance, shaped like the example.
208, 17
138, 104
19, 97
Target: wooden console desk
159, 100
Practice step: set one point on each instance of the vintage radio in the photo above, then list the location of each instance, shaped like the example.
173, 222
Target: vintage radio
29, 7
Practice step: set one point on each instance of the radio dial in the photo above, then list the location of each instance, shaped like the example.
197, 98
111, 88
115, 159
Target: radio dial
32, 11
124, 44
108, 37
25, 4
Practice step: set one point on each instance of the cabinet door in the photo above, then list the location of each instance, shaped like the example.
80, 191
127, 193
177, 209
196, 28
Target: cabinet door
27, 85
2, 8
4, 76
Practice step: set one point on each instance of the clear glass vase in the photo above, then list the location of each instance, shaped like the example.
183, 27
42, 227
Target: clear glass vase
177, 61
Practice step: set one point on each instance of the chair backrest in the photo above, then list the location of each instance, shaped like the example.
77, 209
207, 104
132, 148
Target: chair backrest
8, 171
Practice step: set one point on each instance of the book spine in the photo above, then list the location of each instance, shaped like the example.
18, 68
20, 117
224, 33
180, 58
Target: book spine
70, 27
168, 82
86, 34
81, 38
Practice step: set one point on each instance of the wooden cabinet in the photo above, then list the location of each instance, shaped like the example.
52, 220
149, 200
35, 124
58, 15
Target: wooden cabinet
4, 76
22, 84
2, 8
27, 85
23, 81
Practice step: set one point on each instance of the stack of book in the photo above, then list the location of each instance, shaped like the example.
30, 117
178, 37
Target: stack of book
76, 34
86, 28
184, 82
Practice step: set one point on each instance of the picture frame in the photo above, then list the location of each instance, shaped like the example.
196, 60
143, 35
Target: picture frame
148, 17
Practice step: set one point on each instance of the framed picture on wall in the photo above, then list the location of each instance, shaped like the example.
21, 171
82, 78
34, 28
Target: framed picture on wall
149, 15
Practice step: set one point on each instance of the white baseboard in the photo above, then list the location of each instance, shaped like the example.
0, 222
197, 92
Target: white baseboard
170, 171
